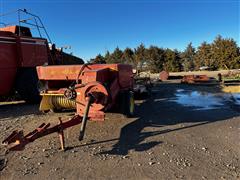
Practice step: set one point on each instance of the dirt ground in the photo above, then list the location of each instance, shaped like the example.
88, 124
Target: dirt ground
181, 132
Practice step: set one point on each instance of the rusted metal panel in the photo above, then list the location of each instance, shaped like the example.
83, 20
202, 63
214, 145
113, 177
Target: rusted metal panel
33, 51
8, 63
163, 75
12, 29
70, 72
190, 79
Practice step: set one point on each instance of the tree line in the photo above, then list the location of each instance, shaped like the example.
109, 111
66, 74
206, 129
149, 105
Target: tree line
222, 53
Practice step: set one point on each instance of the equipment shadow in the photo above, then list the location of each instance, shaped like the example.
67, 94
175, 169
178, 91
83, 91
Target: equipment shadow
12, 110
162, 110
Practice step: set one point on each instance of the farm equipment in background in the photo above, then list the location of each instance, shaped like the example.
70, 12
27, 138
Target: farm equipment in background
20, 53
89, 89
163, 75
142, 86
191, 79
230, 82
233, 76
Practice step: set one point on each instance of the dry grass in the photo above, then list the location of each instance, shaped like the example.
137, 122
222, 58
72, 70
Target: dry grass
231, 89
208, 73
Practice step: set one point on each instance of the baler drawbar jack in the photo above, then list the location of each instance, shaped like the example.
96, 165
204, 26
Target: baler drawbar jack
19, 141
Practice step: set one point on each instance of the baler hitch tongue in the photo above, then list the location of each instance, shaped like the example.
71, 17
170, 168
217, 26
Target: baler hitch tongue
19, 140
85, 116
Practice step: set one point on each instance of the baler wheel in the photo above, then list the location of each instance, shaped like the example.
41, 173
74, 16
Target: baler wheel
27, 85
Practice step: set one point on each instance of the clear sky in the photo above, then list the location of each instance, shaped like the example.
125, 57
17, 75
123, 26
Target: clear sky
92, 26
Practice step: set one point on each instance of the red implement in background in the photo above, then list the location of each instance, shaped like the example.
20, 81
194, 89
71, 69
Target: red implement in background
163, 75
190, 79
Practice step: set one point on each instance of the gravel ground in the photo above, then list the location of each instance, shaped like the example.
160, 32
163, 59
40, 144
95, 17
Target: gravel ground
181, 132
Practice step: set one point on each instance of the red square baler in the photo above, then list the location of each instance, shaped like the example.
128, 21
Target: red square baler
69, 86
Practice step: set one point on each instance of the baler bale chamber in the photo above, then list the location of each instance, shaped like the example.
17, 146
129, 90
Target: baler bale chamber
69, 86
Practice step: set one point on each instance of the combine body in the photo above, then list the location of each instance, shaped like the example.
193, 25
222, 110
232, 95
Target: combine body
20, 53
68, 87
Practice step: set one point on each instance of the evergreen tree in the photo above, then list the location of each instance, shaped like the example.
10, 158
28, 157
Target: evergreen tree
204, 56
139, 56
225, 53
221, 54
236, 62
107, 57
155, 58
116, 56
188, 58
172, 61
128, 56
99, 59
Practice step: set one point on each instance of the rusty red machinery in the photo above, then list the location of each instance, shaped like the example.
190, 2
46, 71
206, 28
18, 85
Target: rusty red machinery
20, 53
89, 89
191, 79
163, 75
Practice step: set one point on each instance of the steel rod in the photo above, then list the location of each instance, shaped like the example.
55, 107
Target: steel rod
85, 117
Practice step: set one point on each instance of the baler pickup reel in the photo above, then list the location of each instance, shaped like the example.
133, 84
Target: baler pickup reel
89, 89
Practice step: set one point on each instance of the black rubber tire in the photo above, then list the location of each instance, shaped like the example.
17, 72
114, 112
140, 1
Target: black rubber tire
126, 99
27, 85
